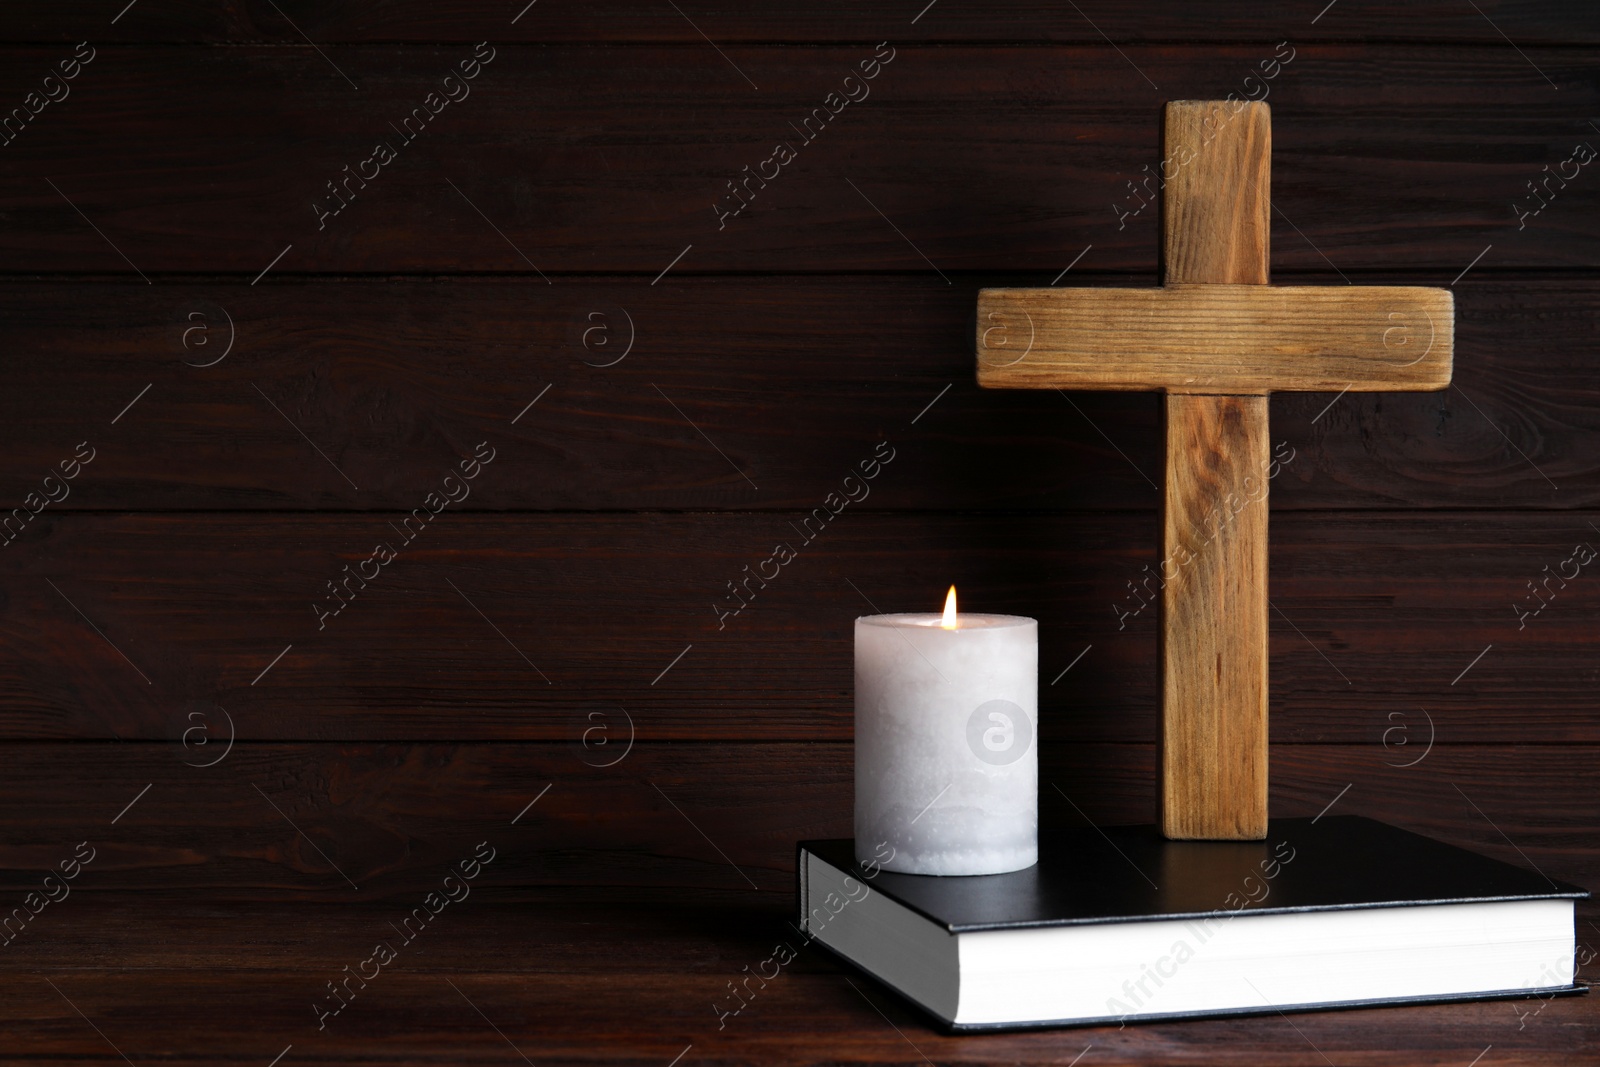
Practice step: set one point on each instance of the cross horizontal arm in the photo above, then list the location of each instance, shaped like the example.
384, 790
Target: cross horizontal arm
1226, 339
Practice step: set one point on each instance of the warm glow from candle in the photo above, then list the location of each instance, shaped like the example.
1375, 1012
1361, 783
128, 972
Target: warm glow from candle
949, 620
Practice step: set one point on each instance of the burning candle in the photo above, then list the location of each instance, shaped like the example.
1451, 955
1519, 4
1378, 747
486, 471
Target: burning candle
947, 760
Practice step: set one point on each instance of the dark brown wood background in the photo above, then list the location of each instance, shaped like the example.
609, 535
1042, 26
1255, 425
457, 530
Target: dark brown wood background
162, 612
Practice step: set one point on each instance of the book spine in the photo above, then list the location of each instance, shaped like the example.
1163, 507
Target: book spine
802, 889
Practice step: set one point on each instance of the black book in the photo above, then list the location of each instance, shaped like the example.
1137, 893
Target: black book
1123, 924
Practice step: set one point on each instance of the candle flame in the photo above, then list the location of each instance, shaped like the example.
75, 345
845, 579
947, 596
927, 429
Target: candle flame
949, 620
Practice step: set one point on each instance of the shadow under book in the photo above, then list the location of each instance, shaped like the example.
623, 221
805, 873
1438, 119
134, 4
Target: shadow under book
1123, 924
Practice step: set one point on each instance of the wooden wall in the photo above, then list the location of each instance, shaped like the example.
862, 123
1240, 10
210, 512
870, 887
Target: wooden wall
167, 206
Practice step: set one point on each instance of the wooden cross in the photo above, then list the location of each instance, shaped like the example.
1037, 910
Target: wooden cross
1216, 339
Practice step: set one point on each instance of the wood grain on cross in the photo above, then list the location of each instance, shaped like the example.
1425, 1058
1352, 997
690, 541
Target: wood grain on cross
1216, 339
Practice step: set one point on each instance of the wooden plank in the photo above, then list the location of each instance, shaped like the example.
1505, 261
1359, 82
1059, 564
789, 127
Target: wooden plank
1530, 23
772, 385
1375, 620
1219, 338
592, 1011
552, 148
1216, 199
1214, 618
391, 817
201, 983
1216, 226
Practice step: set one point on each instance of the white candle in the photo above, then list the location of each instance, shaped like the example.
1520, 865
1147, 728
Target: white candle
947, 758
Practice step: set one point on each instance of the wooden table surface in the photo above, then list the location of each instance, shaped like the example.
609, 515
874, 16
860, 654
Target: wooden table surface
571, 661
602, 976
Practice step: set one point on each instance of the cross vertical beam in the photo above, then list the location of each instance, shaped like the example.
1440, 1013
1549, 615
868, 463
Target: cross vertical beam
1216, 214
